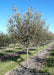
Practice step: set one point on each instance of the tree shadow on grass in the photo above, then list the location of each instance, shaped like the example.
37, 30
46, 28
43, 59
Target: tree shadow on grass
44, 72
17, 59
50, 60
32, 49
49, 64
1, 54
14, 56
9, 51
18, 48
52, 53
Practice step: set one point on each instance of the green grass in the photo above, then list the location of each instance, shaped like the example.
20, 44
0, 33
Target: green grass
11, 51
8, 47
2, 48
12, 46
6, 66
49, 66
9, 65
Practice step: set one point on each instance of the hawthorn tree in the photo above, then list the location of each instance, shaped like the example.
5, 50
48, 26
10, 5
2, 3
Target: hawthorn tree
28, 27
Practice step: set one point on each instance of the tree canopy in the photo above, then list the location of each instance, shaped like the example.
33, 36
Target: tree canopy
29, 27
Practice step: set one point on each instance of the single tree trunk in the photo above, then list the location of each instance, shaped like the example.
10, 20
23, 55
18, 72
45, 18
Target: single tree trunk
44, 44
27, 58
38, 49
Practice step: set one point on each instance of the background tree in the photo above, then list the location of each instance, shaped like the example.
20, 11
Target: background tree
4, 40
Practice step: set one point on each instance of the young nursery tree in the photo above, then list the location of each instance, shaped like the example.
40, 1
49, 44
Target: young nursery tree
23, 26
27, 27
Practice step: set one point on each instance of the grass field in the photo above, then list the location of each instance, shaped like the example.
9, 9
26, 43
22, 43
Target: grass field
11, 46
9, 65
49, 66
11, 51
